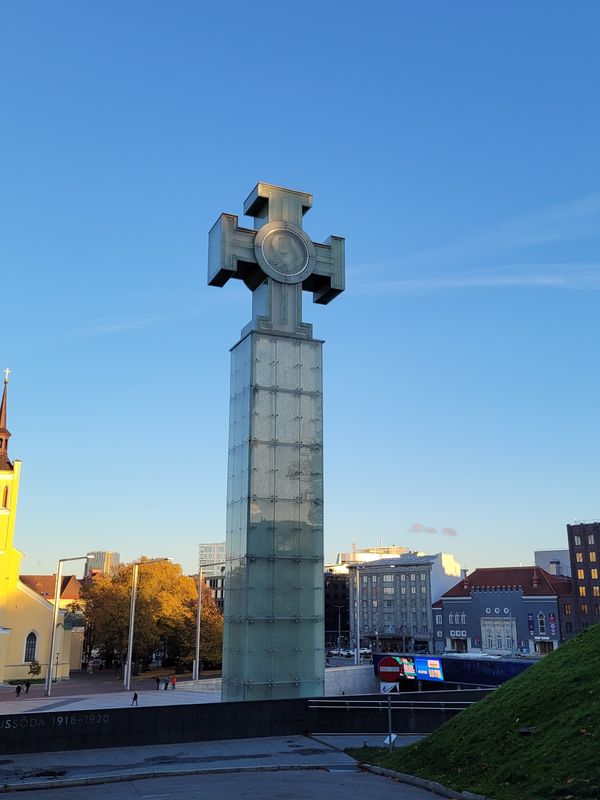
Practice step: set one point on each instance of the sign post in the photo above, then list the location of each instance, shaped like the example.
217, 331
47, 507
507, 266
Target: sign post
389, 670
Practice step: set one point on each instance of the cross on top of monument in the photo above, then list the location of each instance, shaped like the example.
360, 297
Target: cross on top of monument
276, 260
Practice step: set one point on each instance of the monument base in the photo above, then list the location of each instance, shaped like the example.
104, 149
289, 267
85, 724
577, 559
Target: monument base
274, 630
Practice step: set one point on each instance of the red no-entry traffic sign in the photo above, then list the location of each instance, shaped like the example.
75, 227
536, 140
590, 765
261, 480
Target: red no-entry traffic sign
389, 669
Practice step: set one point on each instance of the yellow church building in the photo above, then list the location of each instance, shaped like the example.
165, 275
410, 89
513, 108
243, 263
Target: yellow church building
25, 616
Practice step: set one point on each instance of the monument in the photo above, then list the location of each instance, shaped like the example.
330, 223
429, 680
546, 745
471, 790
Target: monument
274, 640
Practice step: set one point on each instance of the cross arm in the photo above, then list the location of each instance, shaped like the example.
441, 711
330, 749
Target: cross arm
231, 253
327, 278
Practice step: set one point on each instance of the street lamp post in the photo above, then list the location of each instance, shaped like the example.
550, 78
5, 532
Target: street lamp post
134, 581
339, 636
358, 612
61, 561
196, 667
196, 670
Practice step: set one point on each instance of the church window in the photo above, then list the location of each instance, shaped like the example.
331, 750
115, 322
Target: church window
5, 497
541, 623
30, 645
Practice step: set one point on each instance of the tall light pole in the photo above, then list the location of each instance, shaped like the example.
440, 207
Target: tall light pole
134, 581
196, 666
339, 639
358, 612
196, 669
57, 587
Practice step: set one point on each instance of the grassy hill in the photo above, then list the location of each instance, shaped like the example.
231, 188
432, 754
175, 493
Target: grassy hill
482, 750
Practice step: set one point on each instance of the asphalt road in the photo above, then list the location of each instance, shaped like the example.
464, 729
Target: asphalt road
290, 785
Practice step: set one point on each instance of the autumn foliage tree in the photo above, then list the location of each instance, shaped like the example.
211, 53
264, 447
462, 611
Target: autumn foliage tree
165, 617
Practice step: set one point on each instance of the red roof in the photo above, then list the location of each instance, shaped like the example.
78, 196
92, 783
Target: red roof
533, 581
44, 585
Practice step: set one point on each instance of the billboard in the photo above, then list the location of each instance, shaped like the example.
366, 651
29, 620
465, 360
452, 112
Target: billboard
428, 669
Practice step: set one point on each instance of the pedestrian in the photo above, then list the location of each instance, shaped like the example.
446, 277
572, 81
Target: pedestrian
134, 700
173, 682
18, 688
27, 686
166, 686
157, 679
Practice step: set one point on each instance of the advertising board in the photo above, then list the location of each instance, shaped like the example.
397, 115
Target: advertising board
428, 668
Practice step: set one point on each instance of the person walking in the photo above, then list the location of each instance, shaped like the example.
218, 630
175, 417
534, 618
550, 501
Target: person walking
134, 700
18, 689
157, 679
27, 686
166, 686
173, 682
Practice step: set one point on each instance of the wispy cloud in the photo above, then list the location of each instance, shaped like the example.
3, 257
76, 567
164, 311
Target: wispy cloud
129, 325
417, 527
451, 266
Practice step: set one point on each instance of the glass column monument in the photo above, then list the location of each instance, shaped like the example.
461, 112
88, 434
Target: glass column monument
274, 639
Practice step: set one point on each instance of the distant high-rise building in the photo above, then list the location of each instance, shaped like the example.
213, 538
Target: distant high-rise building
106, 561
211, 556
584, 547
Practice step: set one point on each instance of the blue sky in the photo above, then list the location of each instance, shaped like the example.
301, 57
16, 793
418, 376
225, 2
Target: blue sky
454, 145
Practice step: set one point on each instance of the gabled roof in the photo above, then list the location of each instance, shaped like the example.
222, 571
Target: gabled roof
533, 582
45, 585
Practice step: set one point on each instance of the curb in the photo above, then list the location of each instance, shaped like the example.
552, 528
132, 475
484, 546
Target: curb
124, 777
423, 783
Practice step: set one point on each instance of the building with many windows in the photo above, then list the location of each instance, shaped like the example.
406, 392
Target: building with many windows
584, 546
104, 561
337, 609
395, 598
211, 556
504, 611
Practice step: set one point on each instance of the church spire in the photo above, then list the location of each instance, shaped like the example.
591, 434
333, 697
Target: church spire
4, 432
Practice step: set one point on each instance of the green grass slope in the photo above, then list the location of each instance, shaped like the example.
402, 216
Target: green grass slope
481, 749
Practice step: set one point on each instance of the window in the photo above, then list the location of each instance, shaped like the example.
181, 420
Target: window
5, 497
591, 538
30, 645
424, 629
541, 623
423, 576
499, 642
403, 590
373, 578
580, 574
592, 555
463, 619
596, 591
568, 627
413, 577
577, 540
403, 577
388, 578
413, 589
451, 619
594, 574
579, 558
490, 643
423, 590
583, 608
568, 609
439, 634
438, 619
388, 603
424, 616
388, 590
597, 609
509, 643
582, 591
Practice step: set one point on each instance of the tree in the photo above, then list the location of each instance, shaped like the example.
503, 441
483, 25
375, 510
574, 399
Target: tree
165, 617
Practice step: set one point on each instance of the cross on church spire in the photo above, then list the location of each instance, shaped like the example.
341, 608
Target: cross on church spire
4, 432
276, 260
7, 372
